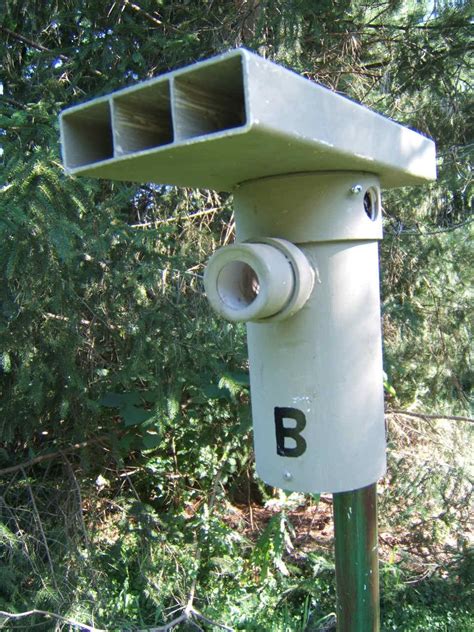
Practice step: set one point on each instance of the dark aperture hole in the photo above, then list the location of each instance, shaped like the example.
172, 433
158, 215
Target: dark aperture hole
370, 204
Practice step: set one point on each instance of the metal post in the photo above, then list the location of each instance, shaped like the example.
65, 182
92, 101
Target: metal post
357, 573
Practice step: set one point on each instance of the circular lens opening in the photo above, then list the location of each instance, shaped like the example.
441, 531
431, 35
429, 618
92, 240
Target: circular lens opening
238, 285
371, 204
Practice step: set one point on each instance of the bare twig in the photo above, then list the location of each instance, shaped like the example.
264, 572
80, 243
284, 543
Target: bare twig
79, 499
24, 542
418, 233
229, 231
168, 626
138, 9
422, 27
40, 526
104, 322
178, 218
409, 413
65, 319
53, 615
199, 615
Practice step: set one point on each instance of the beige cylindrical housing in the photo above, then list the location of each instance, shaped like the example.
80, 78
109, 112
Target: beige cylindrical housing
316, 376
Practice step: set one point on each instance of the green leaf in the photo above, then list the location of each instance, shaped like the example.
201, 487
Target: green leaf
133, 416
112, 400
212, 391
151, 440
121, 400
126, 443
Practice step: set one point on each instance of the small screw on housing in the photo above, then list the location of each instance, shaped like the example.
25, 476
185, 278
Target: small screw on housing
288, 476
356, 189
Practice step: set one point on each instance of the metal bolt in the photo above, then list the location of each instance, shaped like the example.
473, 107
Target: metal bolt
356, 189
288, 476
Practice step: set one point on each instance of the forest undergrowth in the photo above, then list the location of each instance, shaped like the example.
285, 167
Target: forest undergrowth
129, 546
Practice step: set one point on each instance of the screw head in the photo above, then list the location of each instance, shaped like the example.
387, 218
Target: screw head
288, 476
356, 189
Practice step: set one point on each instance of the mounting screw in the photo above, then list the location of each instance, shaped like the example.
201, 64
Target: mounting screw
356, 189
288, 476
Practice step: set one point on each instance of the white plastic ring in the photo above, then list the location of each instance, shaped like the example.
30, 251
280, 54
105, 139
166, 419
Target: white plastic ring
258, 281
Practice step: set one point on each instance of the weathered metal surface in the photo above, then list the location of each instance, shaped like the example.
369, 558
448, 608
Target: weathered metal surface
316, 379
233, 118
357, 572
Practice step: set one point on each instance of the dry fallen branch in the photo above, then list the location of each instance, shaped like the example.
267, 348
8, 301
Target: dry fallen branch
188, 614
52, 615
79, 500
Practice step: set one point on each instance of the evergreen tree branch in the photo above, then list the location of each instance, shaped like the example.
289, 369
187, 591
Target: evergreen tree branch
13, 102
51, 455
33, 44
38, 46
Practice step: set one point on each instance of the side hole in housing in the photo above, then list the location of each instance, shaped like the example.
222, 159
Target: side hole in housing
371, 203
238, 285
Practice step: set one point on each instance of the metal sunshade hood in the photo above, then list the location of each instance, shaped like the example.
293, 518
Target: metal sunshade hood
233, 118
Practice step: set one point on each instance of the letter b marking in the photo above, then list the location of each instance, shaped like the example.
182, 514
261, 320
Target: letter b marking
294, 432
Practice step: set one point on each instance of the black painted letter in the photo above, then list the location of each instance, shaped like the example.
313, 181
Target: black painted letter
294, 432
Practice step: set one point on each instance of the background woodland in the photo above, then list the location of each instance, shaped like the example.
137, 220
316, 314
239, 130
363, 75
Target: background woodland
127, 484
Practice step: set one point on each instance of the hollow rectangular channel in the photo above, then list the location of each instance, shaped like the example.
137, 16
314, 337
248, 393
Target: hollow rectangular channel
183, 105
87, 134
209, 99
142, 118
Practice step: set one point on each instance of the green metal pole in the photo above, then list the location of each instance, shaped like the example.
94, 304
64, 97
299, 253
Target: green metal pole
357, 571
